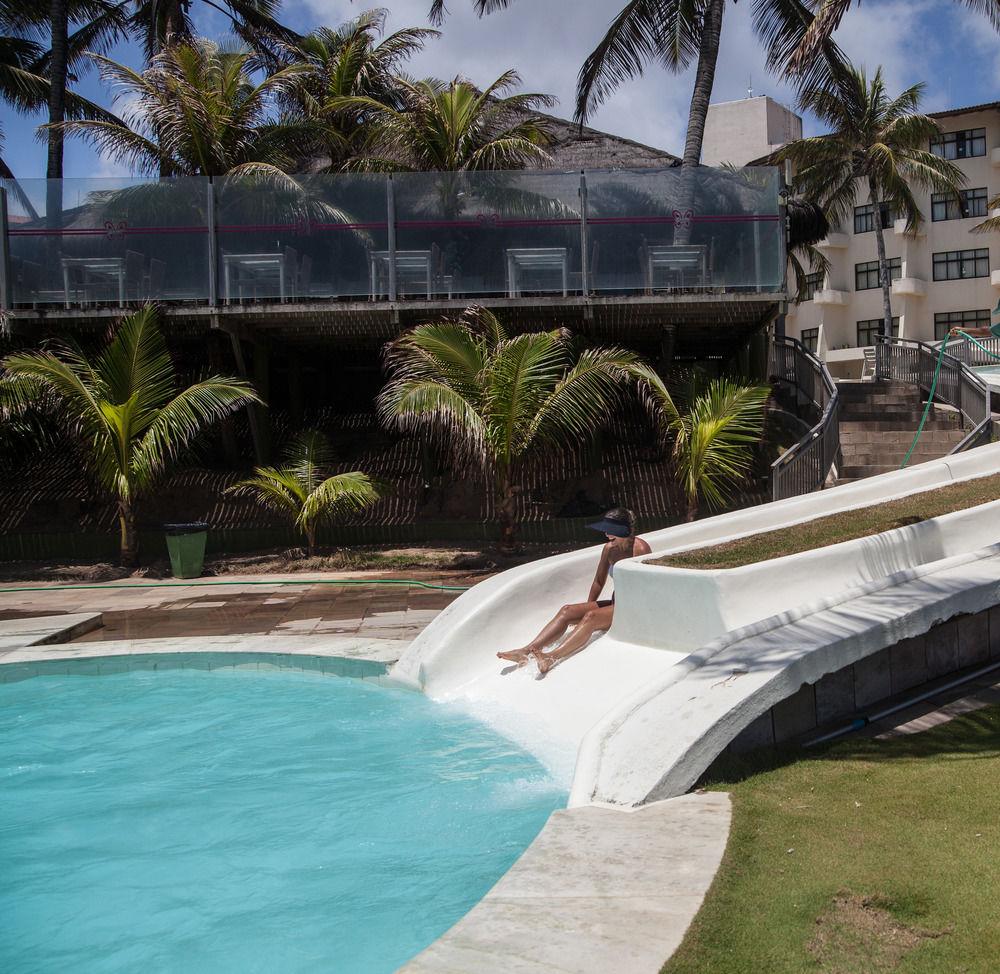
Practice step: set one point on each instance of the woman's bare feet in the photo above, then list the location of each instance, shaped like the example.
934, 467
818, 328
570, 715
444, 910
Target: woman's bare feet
519, 656
545, 663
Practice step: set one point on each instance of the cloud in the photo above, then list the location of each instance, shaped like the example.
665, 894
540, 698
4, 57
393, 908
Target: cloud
547, 41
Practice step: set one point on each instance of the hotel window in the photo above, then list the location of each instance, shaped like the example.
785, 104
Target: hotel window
813, 283
870, 327
810, 338
970, 202
960, 145
864, 217
944, 321
954, 265
866, 275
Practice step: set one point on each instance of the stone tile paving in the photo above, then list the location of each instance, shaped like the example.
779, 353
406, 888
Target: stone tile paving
254, 605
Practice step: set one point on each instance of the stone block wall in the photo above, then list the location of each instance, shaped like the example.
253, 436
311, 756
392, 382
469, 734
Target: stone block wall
961, 643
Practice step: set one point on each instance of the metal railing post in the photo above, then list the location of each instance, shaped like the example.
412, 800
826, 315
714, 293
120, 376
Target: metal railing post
6, 301
213, 251
390, 202
584, 246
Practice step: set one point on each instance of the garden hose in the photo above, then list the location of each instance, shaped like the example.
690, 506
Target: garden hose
283, 581
930, 396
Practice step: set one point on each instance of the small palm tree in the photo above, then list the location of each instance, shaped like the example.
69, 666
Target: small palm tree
353, 60
497, 399
196, 110
122, 408
712, 439
452, 127
301, 490
876, 146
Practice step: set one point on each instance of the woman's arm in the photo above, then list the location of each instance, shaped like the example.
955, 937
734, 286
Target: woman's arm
600, 577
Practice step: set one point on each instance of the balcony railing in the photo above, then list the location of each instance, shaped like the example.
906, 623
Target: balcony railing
806, 466
914, 362
404, 236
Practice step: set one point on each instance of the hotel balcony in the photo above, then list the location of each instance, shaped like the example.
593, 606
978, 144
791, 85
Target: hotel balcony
832, 298
835, 241
910, 287
355, 252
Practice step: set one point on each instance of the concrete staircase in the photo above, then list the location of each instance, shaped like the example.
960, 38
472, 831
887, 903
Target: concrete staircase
877, 423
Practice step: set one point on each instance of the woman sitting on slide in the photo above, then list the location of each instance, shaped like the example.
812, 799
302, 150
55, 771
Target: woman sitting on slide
591, 616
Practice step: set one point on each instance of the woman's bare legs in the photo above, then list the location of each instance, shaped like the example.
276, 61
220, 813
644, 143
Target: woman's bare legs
594, 620
552, 631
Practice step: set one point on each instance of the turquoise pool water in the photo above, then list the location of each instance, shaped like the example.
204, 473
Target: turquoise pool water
242, 819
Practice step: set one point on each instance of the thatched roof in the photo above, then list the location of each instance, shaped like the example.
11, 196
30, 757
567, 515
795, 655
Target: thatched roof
579, 147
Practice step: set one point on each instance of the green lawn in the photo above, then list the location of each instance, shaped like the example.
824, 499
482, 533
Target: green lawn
834, 528
869, 857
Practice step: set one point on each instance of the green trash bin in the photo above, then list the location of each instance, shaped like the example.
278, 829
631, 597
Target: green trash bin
186, 545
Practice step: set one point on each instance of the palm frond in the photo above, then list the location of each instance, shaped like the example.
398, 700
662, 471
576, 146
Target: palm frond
340, 494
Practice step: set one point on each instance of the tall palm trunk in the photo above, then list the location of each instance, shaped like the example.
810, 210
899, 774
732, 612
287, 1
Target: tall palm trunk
704, 80
505, 512
883, 264
59, 25
129, 538
310, 530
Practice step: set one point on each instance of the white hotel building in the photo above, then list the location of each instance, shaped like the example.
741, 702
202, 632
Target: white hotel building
943, 275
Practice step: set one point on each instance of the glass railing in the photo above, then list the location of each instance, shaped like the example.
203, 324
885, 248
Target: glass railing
404, 237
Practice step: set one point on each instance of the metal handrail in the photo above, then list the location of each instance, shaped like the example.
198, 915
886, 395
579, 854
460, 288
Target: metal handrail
806, 465
913, 361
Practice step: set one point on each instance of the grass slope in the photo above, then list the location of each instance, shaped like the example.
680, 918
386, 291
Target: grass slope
834, 528
870, 857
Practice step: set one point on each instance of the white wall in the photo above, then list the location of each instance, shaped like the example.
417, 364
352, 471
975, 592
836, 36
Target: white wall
741, 131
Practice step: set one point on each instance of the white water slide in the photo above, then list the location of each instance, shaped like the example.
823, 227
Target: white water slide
634, 684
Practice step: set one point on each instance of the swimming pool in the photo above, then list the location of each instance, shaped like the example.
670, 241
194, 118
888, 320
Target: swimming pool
220, 814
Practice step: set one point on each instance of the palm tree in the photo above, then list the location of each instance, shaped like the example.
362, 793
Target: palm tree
674, 33
452, 127
123, 409
829, 13
160, 23
875, 147
497, 399
301, 491
712, 438
991, 224
33, 79
353, 60
197, 111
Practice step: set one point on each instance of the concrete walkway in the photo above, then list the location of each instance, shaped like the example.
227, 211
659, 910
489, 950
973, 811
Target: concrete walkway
246, 605
25, 631
599, 891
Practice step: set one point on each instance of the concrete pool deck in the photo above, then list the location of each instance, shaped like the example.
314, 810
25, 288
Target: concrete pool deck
280, 605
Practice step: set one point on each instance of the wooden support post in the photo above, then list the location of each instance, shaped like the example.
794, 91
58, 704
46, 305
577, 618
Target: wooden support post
262, 381
296, 396
6, 284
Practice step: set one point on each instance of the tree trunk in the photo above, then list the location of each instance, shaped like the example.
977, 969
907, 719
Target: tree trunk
59, 25
129, 538
505, 512
692, 508
704, 80
883, 264
310, 540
